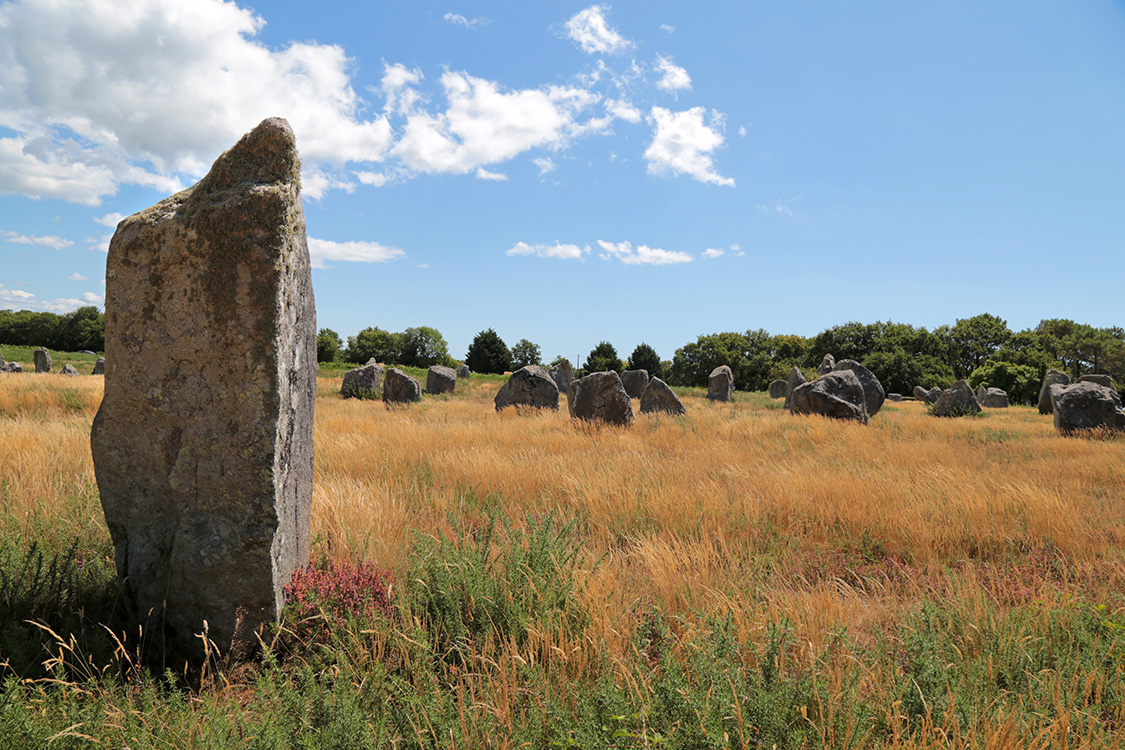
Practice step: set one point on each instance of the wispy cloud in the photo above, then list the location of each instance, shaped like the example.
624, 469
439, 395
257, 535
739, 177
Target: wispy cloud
593, 34
545, 164
667, 28
712, 253
558, 250
322, 252
780, 207
77, 277
484, 174
459, 20
52, 241
641, 254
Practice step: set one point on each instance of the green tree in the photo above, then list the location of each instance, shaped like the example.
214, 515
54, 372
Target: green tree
973, 340
424, 347
603, 358
644, 357
488, 353
525, 353
747, 355
1020, 382
82, 329
899, 371
328, 345
375, 343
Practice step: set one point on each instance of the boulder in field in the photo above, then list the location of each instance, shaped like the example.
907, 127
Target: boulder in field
99, 367
992, 398
957, 401
894, 397
1105, 381
69, 369
1053, 377
872, 389
203, 444
600, 397
400, 388
634, 382
563, 375
440, 379
720, 384
659, 398
1085, 405
796, 379
12, 367
839, 395
827, 365
920, 393
42, 359
531, 386
464, 372
363, 382
779, 389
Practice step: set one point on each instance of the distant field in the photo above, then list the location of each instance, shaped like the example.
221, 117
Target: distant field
736, 578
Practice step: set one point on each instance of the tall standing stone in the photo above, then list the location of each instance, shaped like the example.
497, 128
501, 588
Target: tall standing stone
600, 397
659, 398
563, 375
1053, 377
796, 380
873, 392
634, 382
400, 388
99, 367
440, 379
827, 365
42, 359
203, 445
530, 386
720, 384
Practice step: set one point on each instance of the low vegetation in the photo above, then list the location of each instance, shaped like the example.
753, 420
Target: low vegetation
739, 578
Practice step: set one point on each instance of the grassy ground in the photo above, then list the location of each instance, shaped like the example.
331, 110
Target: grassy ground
736, 578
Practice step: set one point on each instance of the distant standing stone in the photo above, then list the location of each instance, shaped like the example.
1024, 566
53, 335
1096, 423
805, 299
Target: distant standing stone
563, 375
720, 384
600, 397
530, 386
99, 367
894, 397
1053, 377
464, 372
362, 382
68, 369
440, 379
779, 389
42, 359
12, 367
659, 397
992, 398
957, 401
1085, 405
796, 380
634, 382
872, 388
920, 393
400, 388
203, 445
838, 394
827, 365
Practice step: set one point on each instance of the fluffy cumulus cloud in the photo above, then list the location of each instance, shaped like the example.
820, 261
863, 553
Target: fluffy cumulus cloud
590, 30
558, 250
323, 252
19, 299
51, 241
641, 254
683, 143
712, 252
672, 76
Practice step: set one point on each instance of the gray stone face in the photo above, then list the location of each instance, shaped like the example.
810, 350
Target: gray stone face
600, 397
532, 387
1105, 381
205, 461
440, 379
635, 382
992, 398
42, 359
894, 397
720, 384
933, 395
957, 401
12, 367
99, 367
839, 395
1085, 405
779, 389
464, 372
659, 398
400, 388
1053, 377
920, 393
563, 375
872, 389
796, 380
68, 369
827, 365
363, 382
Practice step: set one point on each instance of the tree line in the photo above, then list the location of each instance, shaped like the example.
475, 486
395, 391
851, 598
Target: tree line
981, 349
80, 330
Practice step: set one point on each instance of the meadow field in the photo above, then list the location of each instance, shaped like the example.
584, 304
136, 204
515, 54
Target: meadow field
737, 578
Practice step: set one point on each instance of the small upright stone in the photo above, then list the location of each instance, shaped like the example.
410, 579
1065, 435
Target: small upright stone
69, 369
400, 388
839, 395
796, 380
464, 372
957, 401
600, 397
203, 445
779, 389
720, 384
440, 379
530, 386
99, 367
563, 375
827, 365
658, 397
872, 389
42, 359
363, 382
634, 382
1053, 377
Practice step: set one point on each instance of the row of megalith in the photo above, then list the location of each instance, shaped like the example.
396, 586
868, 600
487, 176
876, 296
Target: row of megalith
42, 360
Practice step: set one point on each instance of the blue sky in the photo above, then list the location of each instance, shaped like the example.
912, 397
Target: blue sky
571, 173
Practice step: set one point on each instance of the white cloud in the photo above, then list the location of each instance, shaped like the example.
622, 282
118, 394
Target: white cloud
316, 183
91, 298
780, 207
52, 241
545, 165
100, 244
589, 29
557, 250
712, 253
323, 251
459, 20
147, 92
665, 27
77, 277
641, 255
395, 86
682, 144
742, 130
374, 179
484, 174
18, 299
110, 220
673, 77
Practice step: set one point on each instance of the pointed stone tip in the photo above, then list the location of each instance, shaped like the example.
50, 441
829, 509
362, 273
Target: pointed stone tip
267, 154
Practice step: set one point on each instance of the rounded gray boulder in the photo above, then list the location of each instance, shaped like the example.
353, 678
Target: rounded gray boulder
600, 397
873, 392
839, 395
1085, 405
530, 386
720, 384
660, 398
400, 388
634, 382
440, 379
957, 401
